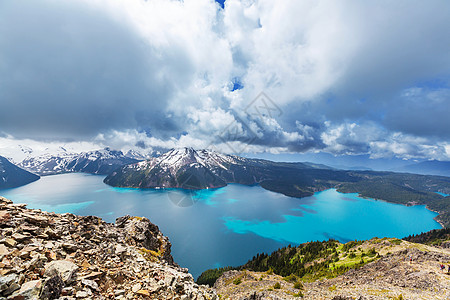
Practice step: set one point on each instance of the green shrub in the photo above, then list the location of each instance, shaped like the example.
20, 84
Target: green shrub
396, 241
237, 281
277, 286
209, 277
298, 286
291, 278
372, 252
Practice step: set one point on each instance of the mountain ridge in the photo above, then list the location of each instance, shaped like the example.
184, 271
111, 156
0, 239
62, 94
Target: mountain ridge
101, 162
188, 168
12, 176
430, 167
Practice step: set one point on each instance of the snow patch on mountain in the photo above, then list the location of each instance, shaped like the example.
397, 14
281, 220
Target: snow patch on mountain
96, 162
174, 159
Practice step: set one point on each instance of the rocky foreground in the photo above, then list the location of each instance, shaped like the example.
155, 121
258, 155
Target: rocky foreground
62, 256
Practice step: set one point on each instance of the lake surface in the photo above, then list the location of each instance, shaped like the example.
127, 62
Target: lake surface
442, 194
227, 226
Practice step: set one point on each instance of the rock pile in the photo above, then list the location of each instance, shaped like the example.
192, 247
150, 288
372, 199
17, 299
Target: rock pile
63, 256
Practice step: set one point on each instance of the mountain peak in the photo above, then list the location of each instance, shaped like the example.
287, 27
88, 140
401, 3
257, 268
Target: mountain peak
172, 169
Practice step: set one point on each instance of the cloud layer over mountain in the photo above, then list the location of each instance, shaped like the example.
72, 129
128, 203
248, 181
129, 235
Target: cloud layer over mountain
342, 77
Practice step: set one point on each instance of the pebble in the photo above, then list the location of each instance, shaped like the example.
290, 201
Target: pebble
136, 287
143, 293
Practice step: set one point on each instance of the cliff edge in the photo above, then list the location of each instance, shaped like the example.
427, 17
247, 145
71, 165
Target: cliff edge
63, 256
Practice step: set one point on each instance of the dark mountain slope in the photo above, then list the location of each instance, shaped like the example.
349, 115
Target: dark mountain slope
13, 176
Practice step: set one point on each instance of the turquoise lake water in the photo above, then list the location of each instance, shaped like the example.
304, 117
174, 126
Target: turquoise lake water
442, 194
227, 226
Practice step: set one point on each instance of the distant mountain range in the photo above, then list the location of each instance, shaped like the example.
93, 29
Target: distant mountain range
431, 167
95, 162
12, 176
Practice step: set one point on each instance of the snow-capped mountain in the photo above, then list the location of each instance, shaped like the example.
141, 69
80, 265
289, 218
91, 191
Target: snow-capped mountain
194, 169
175, 159
200, 169
139, 155
13, 176
18, 150
96, 162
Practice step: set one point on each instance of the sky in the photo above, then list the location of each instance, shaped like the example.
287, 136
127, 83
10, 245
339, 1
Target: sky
345, 78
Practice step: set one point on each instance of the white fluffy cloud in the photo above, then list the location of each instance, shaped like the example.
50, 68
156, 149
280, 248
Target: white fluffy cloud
347, 77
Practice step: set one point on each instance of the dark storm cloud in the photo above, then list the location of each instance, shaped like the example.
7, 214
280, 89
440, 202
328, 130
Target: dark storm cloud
68, 70
421, 112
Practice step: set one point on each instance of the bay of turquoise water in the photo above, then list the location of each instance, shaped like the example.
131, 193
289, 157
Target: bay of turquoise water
442, 194
227, 226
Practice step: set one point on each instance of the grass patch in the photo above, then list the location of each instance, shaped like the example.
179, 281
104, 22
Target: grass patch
150, 255
291, 278
352, 261
396, 242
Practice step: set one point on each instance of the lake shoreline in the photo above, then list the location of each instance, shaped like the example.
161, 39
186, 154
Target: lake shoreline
197, 229
255, 184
